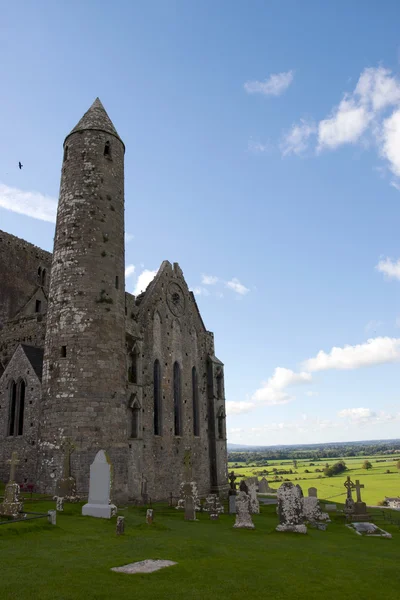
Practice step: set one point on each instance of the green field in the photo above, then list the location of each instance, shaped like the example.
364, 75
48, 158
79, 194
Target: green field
377, 482
72, 560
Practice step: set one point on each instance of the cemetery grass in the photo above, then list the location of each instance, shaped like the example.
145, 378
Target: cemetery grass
72, 560
378, 483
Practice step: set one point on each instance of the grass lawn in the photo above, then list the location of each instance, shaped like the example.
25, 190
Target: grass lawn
377, 482
73, 559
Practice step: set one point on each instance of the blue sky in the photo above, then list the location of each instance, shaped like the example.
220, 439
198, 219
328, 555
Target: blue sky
263, 155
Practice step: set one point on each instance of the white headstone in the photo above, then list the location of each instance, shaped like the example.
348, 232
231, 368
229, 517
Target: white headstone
290, 508
100, 488
254, 503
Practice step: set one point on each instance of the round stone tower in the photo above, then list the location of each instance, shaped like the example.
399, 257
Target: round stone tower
84, 375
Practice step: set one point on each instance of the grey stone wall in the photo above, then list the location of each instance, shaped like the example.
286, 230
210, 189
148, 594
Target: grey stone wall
26, 444
19, 264
84, 377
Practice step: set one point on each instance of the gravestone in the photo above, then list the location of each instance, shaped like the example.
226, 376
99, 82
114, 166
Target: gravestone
232, 493
52, 517
120, 527
243, 487
232, 504
99, 503
59, 504
213, 506
312, 510
290, 508
66, 486
243, 516
12, 507
254, 503
360, 507
149, 516
312, 492
369, 530
190, 510
183, 490
263, 487
143, 489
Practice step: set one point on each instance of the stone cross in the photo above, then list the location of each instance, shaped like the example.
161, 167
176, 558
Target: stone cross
188, 464
349, 485
358, 488
13, 462
232, 479
68, 448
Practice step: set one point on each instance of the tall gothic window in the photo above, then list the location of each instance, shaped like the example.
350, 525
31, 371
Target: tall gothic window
133, 367
195, 399
221, 424
157, 397
177, 399
135, 417
21, 406
13, 406
220, 383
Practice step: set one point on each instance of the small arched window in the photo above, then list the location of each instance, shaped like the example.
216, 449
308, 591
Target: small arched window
107, 150
66, 153
195, 399
157, 397
43, 279
12, 407
177, 400
39, 274
221, 424
135, 417
21, 406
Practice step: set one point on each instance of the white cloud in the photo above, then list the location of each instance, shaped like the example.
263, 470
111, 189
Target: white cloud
257, 147
237, 408
373, 352
296, 140
129, 270
373, 325
200, 291
128, 237
235, 285
209, 279
273, 391
390, 142
378, 88
347, 123
389, 268
30, 204
364, 416
143, 281
356, 414
275, 85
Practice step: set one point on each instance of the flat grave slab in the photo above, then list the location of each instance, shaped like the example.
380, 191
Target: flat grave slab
368, 529
144, 566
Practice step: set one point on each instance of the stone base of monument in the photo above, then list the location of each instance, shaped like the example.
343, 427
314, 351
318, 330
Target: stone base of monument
292, 528
102, 511
12, 507
369, 529
232, 505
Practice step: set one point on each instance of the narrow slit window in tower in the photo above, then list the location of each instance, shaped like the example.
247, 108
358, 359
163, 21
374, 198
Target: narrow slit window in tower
38, 306
21, 406
63, 352
221, 424
133, 368
177, 399
11, 414
39, 274
66, 153
107, 150
195, 398
43, 278
220, 384
157, 397
116, 282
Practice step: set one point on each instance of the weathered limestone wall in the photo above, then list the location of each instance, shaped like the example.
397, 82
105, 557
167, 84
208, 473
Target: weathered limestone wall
29, 330
84, 377
19, 264
26, 444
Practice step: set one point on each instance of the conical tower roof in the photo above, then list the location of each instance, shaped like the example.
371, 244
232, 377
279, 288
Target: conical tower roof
96, 118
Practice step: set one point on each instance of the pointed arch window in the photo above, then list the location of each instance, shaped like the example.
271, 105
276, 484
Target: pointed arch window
135, 410
177, 400
195, 400
21, 406
157, 397
134, 365
13, 407
221, 424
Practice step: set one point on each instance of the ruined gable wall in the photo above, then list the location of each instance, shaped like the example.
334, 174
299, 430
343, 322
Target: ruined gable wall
29, 330
26, 444
19, 263
170, 337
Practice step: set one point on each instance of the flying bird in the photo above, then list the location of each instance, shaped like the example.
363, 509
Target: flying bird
20, 165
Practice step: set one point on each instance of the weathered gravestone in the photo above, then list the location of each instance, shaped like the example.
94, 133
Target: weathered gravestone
360, 507
99, 503
312, 492
232, 493
66, 486
312, 510
243, 516
188, 487
12, 507
149, 516
263, 487
190, 507
59, 504
120, 527
254, 503
290, 508
213, 506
